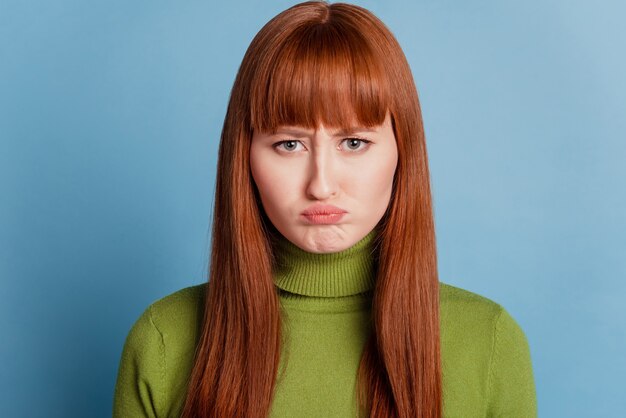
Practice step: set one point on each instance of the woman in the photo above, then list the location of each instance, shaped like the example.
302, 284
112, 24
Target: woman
323, 296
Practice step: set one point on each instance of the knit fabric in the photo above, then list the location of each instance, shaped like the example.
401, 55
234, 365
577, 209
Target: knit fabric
325, 306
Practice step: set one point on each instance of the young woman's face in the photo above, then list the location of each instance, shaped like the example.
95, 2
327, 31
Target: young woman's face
297, 169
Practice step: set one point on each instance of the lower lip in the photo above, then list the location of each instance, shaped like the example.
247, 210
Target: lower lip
330, 218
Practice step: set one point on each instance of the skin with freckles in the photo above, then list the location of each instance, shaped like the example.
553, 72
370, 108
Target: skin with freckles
296, 167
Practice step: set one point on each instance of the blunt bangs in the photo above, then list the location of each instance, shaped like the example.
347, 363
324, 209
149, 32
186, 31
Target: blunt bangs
321, 74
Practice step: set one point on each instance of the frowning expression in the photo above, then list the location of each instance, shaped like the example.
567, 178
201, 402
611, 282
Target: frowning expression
299, 172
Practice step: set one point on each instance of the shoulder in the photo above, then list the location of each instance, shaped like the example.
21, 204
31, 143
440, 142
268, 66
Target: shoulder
469, 318
182, 302
459, 304
179, 313
485, 348
158, 355
455, 296
170, 324
472, 321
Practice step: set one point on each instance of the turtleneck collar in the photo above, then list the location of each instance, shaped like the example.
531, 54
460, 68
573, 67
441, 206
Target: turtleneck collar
344, 273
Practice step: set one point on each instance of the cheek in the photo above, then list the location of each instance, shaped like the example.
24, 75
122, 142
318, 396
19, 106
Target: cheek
274, 183
376, 180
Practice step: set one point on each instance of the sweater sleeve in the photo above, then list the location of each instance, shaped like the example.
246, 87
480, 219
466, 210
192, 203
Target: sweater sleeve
511, 386
139, 389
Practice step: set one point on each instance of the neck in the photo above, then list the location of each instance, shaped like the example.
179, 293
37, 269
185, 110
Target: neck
344, 273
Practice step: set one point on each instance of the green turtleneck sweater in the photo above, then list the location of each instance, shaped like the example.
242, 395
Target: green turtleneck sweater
326, 303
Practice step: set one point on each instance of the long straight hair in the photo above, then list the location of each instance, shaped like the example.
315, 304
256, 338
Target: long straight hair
333, 64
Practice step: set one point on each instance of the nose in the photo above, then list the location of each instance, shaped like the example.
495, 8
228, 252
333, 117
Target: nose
322, 182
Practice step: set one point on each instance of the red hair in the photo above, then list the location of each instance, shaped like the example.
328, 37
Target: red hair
333, 64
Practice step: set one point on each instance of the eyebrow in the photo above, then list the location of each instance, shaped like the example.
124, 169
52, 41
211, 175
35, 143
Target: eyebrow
340, 132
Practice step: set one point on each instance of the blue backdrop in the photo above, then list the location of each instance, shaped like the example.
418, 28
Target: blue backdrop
110, 116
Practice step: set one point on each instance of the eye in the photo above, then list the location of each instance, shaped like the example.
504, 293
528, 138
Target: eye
354, 143
290, 144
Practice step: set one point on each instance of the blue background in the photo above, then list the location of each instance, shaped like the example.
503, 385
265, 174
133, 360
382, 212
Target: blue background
110, 116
